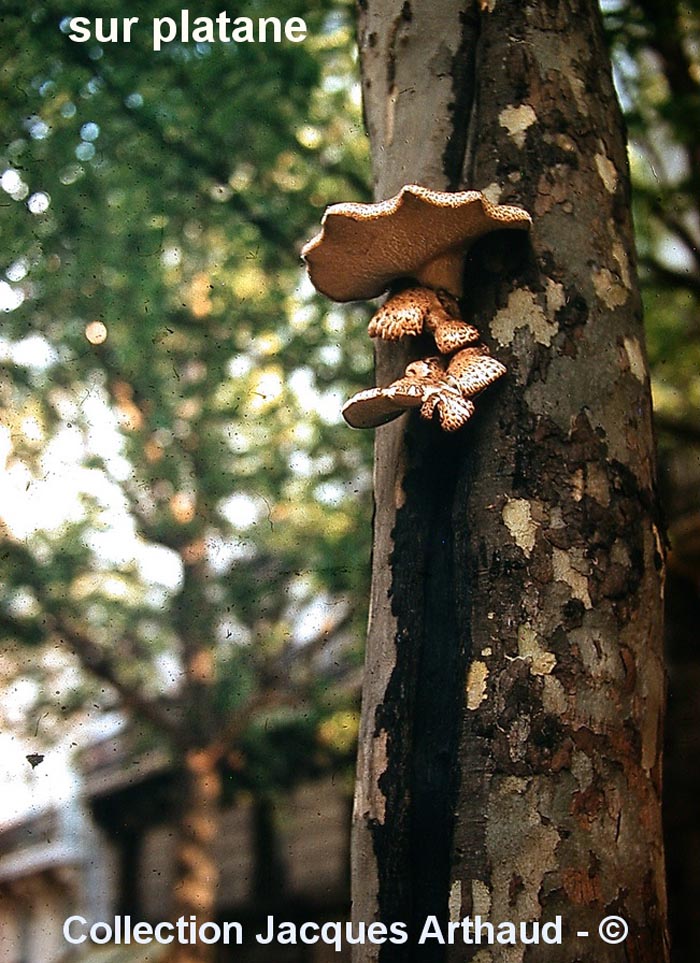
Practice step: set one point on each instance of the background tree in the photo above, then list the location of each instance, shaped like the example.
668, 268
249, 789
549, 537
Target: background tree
510, 740
161, 349
655, 52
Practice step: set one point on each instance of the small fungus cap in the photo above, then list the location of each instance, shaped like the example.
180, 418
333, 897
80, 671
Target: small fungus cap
419, 233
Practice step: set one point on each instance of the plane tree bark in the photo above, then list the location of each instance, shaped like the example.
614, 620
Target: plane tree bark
510, 742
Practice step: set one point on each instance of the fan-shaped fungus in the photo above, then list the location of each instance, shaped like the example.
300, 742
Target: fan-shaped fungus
420, 234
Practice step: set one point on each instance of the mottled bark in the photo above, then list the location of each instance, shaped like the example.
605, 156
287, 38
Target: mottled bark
510, 743
196, 863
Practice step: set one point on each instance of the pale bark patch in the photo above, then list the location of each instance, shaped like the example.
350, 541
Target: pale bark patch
611, 291
582, 769
619, 252
541, 661
481, 899
578, 485
555, 297
597, 484
522, 311
607, 172
455, 901
635, 356
370, 802
493, 192
518, 846
516, 121
554, 698
571, 568
476, 684
517, 517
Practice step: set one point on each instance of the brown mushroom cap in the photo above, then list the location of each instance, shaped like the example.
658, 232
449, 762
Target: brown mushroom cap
362, 248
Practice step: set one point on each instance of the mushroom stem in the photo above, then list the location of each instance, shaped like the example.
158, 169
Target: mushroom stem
444, 272
414, 310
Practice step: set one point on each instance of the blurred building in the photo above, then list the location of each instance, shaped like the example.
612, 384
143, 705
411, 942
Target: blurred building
49, 864
112, 853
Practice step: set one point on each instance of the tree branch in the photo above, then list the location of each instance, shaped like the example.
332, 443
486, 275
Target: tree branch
94, 659
678, 427
669, 277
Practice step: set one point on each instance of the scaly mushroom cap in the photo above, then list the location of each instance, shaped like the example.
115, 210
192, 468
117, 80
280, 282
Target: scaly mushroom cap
473, 369
452, 409
377, 406
414, 310
362, 248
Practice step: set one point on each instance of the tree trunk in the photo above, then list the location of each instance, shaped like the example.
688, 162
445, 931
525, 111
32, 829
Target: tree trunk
510, 742
197, 874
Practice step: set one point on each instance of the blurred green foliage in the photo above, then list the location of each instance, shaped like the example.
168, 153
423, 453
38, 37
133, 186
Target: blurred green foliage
185, 506
656, 56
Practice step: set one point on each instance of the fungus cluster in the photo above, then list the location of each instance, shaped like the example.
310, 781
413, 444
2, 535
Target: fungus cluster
419, 237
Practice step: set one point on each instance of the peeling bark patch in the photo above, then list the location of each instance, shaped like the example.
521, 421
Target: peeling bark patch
516, 121
541, 661
455, 901
619, 252
570, 567
633, 349
391, 102
493, 192
555, 297
554, 699
609, 288
372, 804
597, 484
522, 311
519, 844
377, 808
607, 172
476, 684
481, 899
487, 6
517, 517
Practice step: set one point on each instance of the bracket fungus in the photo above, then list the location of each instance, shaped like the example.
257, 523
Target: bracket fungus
421, 237
434, 385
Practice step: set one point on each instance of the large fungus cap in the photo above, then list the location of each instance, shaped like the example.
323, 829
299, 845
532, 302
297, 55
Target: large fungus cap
419, 233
